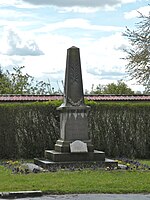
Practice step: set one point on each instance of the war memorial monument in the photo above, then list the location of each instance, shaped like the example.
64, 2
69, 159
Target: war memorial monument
74, 145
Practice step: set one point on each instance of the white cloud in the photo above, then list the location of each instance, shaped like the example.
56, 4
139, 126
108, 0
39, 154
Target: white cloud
77, 23
81, 6
4, 23
15, 4
100, 56
78, 6
83, 3
15, 15
11, 44
128, 1
78, 9
6, 3
16, 19
100, 59
135, 13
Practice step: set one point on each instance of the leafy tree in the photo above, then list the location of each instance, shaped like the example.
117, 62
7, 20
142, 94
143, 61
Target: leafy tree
98, 90
119, 88
5, 84
138, 54
112, 88
18, 83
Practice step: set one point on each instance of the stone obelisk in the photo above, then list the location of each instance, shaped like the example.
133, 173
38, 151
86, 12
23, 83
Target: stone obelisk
74, 143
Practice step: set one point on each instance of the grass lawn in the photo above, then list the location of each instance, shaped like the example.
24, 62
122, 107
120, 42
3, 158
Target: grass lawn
85, 181
147, 162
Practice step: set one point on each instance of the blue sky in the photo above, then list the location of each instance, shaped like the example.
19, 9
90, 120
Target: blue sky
37, 33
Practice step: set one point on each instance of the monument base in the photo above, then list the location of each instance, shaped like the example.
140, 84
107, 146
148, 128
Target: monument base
59, 160
52, 166
69, 157
64, 146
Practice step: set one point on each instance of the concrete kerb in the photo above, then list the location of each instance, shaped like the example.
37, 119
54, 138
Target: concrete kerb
20, 194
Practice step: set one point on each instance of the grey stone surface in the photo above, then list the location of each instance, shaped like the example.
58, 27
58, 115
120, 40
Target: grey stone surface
73, 111
78, 146
33, 167
94, 197
62, 156
74, 124
73, 91
110, 163
51, 165
120, 166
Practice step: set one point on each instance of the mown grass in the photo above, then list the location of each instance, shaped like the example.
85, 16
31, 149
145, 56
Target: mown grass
147, 162
85, 181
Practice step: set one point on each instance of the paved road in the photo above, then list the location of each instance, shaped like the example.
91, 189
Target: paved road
93, 197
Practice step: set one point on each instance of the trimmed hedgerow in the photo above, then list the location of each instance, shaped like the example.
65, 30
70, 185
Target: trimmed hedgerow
119, 129
26, 130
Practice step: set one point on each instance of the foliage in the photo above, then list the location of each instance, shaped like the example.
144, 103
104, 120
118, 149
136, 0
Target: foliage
26, 167
138, 54
4, 83
112, 88
18, 83
133, 164
26, 130
119, 129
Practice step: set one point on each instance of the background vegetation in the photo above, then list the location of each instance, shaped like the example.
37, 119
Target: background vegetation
138, 53
119, 129
112, 88
17, 82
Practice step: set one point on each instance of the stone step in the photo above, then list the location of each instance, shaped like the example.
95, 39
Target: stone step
48, 164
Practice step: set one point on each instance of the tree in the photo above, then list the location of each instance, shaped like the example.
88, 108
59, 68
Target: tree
4, 83
112, 88
18, 83
98, 90
119, 88
138, 54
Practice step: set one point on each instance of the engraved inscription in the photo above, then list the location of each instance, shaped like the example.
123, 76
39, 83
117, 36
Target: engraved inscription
76, 129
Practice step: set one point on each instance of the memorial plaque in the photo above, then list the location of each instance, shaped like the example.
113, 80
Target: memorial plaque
78, 147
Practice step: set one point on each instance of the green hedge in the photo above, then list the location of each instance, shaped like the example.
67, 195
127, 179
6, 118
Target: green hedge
119, 129
26, 130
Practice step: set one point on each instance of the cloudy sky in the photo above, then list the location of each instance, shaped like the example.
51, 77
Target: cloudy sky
37, 33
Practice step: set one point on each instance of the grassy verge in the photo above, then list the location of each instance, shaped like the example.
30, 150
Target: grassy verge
147, 162
86, 181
